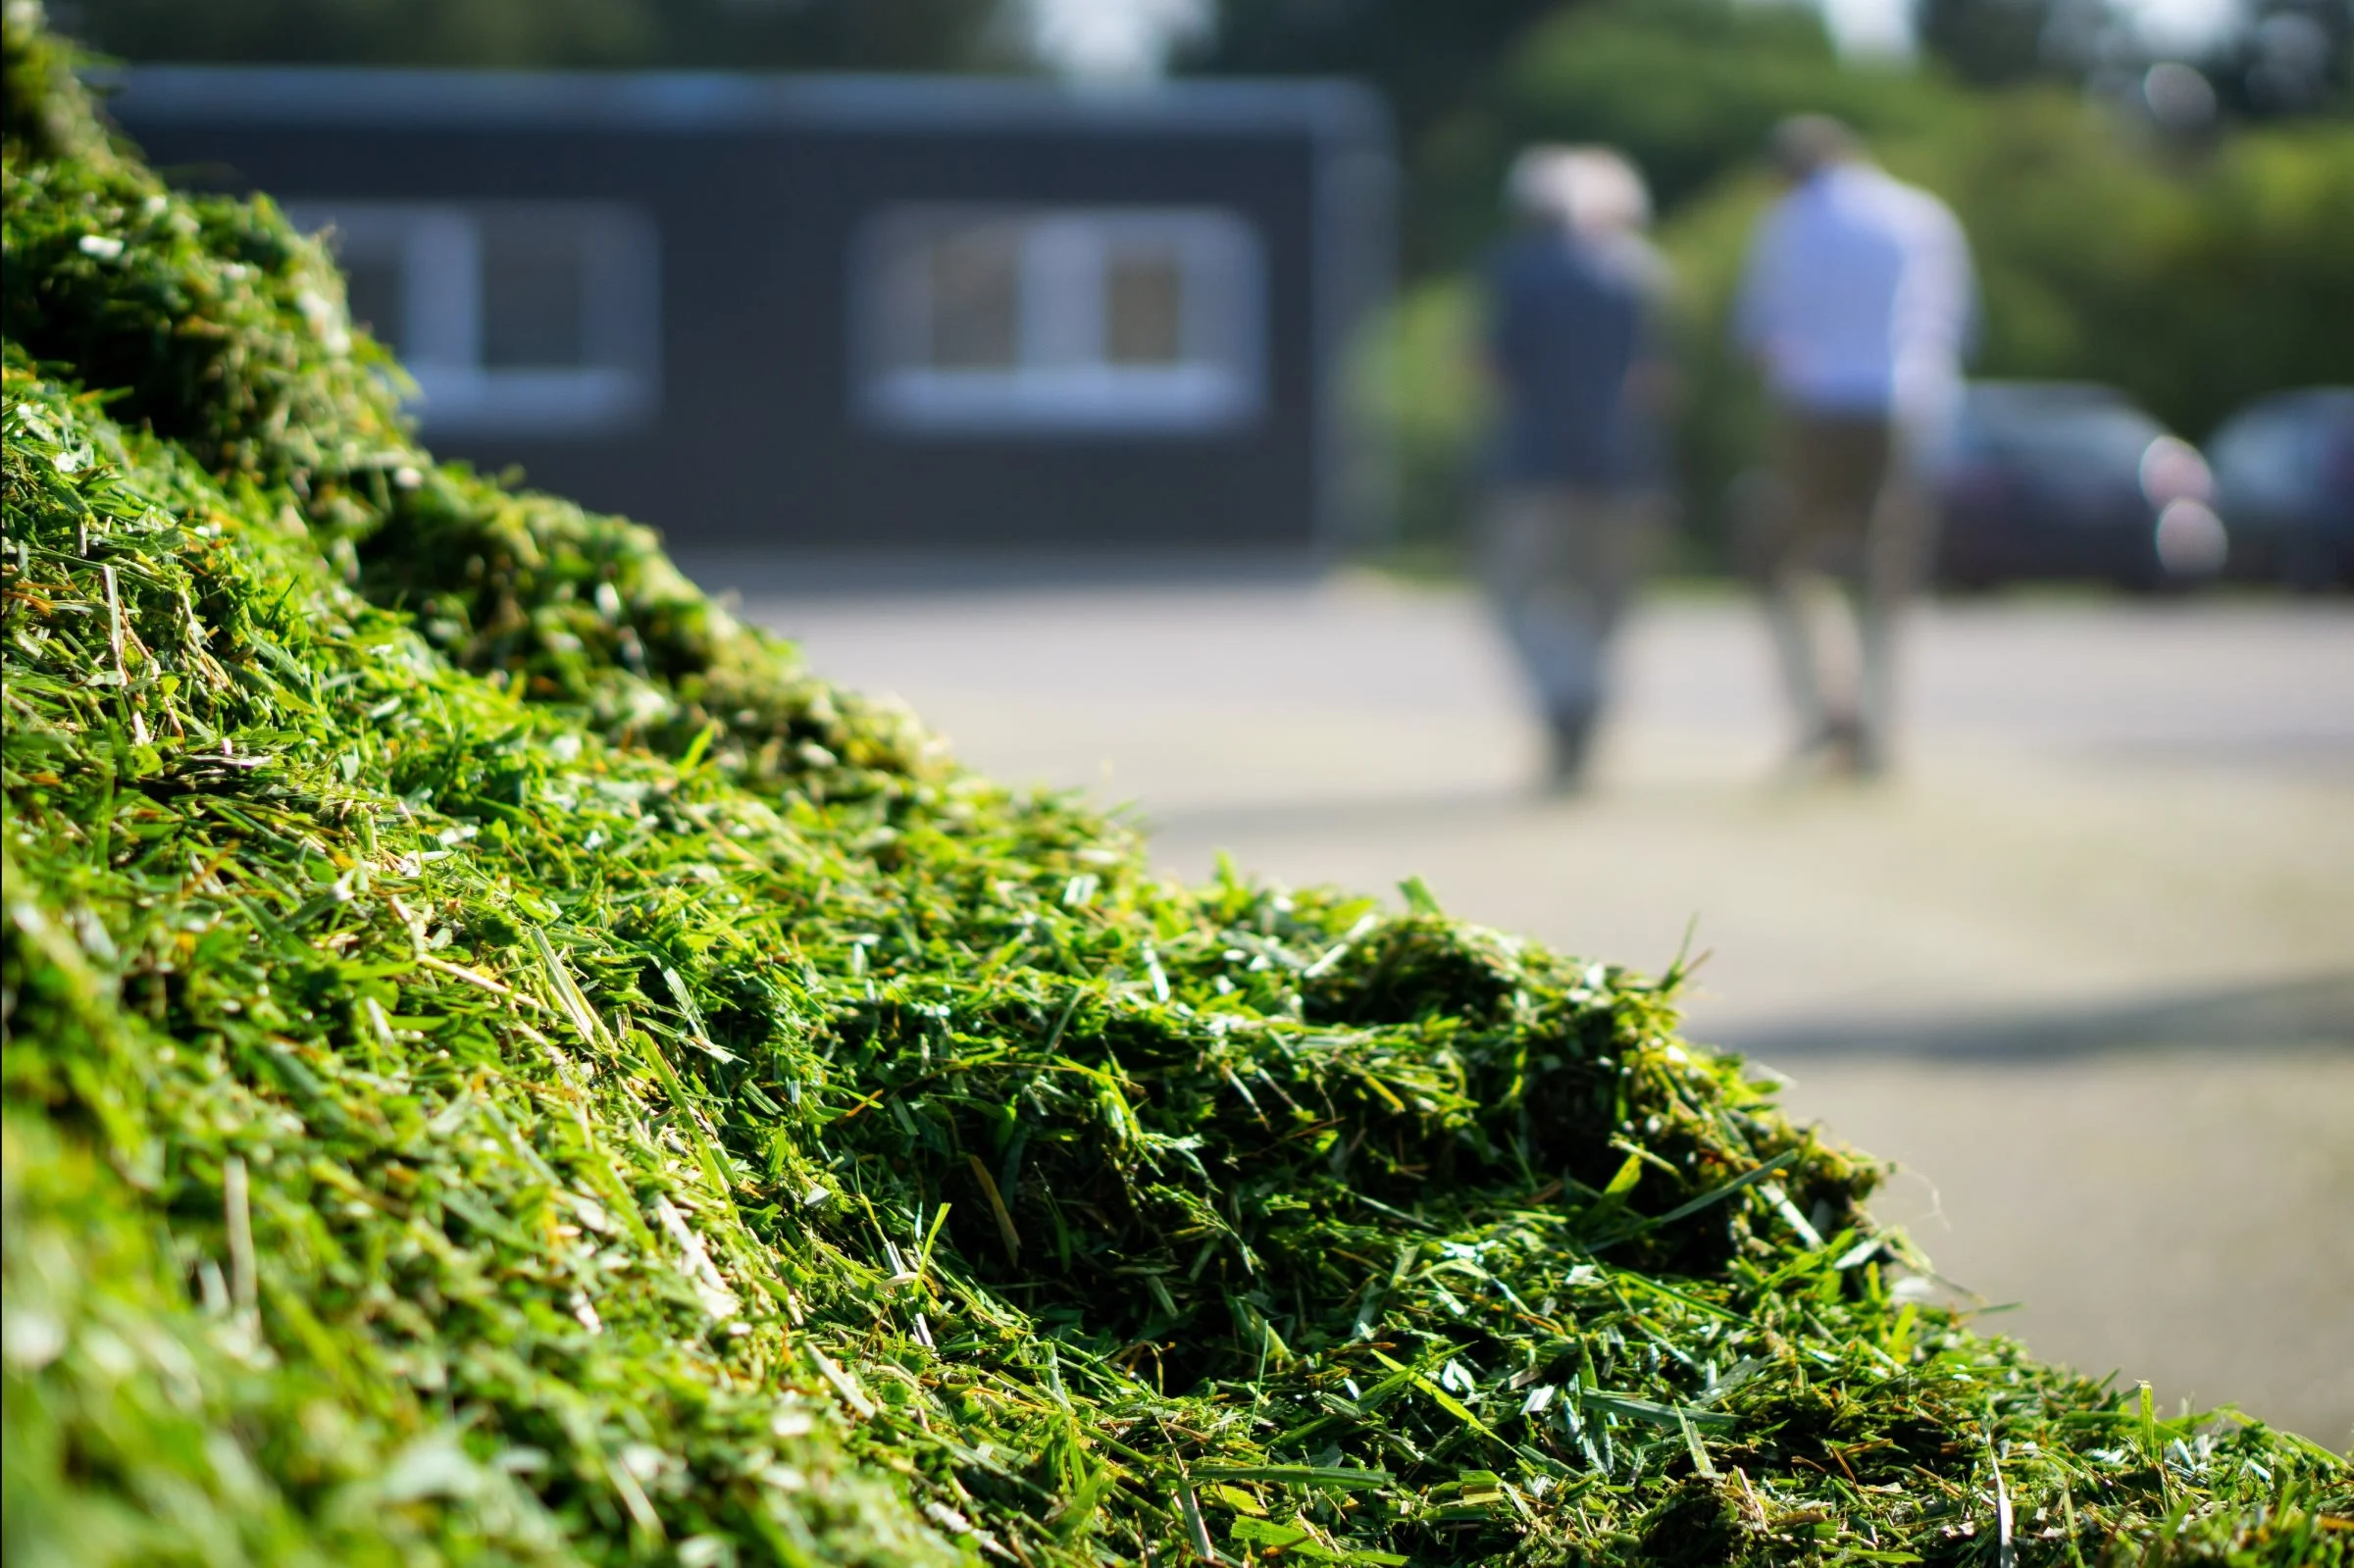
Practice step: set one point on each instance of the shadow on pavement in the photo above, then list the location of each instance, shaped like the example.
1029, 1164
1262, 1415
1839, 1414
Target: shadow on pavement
2312, 1014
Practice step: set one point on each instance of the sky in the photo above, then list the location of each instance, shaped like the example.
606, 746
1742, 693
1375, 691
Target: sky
1115, 39
1112, 39
1880, 26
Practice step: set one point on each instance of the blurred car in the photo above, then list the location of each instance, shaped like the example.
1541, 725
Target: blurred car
2284, 483
2061, 481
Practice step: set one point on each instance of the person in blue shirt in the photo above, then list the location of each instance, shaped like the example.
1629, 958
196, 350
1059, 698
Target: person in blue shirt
1856, 304
1576, 493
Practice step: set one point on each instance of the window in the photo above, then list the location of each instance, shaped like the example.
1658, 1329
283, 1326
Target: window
513, 318
988, 320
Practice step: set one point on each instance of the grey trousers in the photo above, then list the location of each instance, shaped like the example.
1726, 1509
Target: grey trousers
1561, 565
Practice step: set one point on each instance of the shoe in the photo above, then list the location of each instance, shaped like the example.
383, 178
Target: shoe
1836, 749
1570, 741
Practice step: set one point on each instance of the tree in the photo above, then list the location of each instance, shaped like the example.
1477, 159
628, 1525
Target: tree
1427, 59
743, 34
1998, 42
2287, 58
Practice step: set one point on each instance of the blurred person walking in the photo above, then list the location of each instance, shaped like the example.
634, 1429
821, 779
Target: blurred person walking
1858, 303
1575, 491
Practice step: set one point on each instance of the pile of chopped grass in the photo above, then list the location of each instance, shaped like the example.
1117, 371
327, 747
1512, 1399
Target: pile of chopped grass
503, 1065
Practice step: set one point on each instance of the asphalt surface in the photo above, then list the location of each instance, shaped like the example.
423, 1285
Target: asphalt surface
2086, 964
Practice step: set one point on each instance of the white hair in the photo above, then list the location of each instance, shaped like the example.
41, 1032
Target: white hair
1594, 190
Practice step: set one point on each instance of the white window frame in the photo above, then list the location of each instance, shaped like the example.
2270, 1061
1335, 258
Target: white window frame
437, 249
1062, 381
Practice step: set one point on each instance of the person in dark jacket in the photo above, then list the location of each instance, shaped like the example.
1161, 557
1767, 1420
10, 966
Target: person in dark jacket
1576, 490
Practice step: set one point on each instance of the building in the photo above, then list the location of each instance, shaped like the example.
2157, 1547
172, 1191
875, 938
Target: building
849, 315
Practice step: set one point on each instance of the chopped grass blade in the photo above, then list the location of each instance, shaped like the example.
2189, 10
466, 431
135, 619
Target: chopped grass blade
503, 1065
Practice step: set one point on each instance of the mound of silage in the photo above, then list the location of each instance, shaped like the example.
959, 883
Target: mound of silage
503, 1065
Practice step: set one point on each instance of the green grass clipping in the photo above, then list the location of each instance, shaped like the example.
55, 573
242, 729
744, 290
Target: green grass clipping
503, 1065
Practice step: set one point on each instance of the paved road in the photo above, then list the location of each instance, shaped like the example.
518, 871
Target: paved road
2089, 961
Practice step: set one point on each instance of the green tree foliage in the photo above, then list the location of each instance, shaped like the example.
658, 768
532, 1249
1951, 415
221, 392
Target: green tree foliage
2003, 42
2287, 58
733, 35
1428, 60
1986, 41
1433, 63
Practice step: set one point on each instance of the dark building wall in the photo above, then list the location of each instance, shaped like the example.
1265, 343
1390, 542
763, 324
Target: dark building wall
756, 443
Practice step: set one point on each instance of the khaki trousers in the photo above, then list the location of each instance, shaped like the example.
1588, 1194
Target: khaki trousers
1837, 545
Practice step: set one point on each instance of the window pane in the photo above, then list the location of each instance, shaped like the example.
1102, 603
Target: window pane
511, 317
1011, 319
534, 303
1143, 303
976, 297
